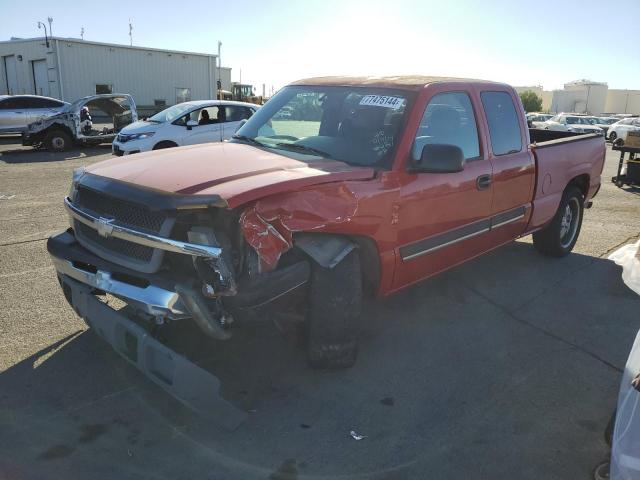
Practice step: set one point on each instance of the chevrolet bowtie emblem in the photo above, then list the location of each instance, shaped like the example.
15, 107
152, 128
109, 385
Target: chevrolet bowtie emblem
103, 226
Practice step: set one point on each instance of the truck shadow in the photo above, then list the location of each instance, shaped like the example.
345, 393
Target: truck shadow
481, 352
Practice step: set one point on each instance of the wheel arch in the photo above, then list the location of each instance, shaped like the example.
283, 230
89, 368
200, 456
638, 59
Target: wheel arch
165, 144
337, 246
582, 182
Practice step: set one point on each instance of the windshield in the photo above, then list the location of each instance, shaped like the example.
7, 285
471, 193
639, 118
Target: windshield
356, 125
170, 114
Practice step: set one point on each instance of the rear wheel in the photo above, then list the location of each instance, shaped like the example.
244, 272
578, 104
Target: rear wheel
560, 236
57, 140
335, 301
612, 137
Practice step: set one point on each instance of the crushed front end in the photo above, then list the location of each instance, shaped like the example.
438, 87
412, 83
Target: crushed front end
167, 258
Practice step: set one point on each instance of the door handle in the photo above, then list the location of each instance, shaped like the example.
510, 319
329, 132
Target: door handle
483, 182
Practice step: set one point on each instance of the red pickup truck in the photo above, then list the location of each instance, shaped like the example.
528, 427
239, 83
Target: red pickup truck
336, 189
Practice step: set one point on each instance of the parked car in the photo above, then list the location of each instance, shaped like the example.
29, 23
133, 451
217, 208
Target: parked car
618, 131
376, 185
186, 123
535, 120
571, 123
18, 111
90, 120
604, 123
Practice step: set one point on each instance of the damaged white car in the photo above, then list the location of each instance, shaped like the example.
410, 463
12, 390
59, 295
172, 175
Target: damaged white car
90, 120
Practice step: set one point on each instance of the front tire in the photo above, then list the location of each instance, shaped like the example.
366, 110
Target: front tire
612, 137
560, 236
57, 141
335, 302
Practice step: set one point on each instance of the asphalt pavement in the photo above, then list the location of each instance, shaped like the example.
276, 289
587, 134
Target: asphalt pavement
506, 367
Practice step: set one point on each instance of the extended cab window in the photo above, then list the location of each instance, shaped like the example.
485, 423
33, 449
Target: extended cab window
448, 119
504, 127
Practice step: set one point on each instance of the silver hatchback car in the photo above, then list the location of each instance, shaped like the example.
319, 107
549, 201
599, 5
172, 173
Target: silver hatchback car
18, 111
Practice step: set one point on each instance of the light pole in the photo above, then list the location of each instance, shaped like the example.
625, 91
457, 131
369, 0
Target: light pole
46, 38
219, 90
50, 20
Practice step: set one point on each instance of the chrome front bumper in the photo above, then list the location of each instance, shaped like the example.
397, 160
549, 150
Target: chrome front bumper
151, 299
190, 384
107, 227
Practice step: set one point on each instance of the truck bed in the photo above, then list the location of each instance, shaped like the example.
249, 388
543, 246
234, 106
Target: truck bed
560, 158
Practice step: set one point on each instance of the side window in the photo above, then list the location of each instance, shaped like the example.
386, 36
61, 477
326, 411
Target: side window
204, 116
103, 88
235, 113
6, 104
504, 127
448, 119
24, 102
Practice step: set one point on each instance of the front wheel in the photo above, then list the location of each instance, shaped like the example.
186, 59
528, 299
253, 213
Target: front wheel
612, 137
335, 301
560, 236
57, 141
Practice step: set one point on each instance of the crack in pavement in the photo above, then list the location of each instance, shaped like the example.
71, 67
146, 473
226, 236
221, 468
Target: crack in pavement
23, 241
625, 242
513, 316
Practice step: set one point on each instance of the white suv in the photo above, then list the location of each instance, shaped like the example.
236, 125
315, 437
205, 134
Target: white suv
618, 131
186, 123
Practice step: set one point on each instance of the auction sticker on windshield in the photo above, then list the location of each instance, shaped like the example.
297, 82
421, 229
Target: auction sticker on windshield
382, 101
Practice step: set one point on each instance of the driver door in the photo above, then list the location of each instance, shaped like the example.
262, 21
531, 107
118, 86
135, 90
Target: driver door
444, 218
203, 130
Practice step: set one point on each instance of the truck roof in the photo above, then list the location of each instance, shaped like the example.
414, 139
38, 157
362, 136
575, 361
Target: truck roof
408, 82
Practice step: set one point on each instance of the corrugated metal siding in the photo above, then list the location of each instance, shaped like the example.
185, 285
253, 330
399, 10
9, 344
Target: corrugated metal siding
147, 75
30, 51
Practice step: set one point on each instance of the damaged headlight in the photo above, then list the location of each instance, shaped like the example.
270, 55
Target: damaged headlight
77, 175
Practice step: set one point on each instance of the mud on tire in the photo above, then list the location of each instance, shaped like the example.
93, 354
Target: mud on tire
335, 301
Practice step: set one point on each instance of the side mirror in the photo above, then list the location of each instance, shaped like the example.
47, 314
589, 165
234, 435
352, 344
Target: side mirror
439, 158
191, 124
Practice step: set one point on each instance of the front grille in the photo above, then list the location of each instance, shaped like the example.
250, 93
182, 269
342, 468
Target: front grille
117, 245
126, 213
123, 211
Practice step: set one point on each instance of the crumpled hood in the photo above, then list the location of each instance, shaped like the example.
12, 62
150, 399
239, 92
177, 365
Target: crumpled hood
238, 173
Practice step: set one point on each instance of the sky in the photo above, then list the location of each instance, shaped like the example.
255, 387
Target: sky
523, 43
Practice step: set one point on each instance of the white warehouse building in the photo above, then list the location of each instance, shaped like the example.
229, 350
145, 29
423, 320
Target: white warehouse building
69, 69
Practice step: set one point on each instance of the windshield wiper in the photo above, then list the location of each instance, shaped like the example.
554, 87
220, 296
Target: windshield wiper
245, 138
303, 149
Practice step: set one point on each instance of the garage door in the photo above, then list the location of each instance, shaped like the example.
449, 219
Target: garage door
12, 74
40, 77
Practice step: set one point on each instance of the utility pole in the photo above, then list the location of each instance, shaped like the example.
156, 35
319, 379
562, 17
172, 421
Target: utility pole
50, 20
82, 33
130, 33
219, 93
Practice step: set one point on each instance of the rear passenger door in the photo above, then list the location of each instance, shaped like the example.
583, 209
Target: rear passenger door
12, 115
513, 164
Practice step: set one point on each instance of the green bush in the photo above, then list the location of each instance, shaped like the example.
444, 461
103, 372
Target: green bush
531, 102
